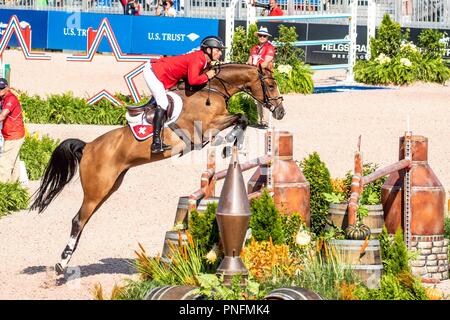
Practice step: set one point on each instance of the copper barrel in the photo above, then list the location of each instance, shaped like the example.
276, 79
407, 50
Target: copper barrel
427, 193
291, 190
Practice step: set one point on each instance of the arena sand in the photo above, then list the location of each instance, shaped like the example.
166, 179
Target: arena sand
144, 207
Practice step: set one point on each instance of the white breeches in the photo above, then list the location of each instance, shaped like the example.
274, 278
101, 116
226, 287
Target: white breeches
156, 87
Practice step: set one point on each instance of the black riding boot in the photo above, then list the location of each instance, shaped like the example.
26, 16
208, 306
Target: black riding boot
158, 123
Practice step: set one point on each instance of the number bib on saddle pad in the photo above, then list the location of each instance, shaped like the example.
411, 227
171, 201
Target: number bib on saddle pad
141, 121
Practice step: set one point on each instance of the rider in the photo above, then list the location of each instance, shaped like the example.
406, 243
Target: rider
165, 73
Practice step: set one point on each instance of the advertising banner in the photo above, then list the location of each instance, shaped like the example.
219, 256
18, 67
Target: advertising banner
68, 30
170, 36
37, 20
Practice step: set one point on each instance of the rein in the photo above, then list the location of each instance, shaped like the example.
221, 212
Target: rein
266, 99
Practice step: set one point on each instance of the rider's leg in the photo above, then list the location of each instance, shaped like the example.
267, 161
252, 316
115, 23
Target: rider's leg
159, 93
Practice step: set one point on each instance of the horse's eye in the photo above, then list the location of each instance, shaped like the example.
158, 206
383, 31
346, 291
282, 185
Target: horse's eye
271, 87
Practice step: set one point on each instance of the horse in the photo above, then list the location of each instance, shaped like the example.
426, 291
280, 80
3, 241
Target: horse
103, 162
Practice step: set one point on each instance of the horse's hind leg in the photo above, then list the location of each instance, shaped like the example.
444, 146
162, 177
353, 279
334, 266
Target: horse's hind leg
89, 206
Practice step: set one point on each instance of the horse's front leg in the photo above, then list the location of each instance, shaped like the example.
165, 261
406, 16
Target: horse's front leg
236, 135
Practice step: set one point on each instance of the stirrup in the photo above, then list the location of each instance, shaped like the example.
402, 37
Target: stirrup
159, 147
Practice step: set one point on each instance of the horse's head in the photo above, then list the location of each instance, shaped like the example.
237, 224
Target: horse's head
256, 81
266, 91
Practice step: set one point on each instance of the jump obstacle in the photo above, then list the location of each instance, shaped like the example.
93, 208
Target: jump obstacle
350, 39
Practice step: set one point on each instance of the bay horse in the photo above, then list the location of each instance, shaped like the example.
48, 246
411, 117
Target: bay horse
103, 162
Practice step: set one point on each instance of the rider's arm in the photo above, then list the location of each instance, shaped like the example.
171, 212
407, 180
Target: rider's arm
4, 114
195, 75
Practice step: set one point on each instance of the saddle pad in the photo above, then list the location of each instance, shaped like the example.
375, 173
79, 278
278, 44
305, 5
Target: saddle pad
140, 127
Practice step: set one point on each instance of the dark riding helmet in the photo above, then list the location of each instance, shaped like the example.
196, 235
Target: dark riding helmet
212, 42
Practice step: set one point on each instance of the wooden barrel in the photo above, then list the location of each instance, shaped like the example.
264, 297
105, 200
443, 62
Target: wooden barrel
366, 264
173, 293
292, 293
337, 213
181, 215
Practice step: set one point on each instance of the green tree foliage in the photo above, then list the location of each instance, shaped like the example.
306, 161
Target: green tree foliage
203, 227
430, 43
265, 220
389, 38
286, 52
242, 43
318, 176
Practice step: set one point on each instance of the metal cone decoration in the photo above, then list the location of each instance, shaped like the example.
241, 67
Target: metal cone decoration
233, 216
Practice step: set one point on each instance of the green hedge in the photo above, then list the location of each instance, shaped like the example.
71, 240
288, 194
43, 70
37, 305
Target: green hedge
13, 197
36, 153
67, 109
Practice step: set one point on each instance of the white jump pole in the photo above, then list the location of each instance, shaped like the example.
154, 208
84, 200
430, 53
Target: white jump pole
371, 22
353, 35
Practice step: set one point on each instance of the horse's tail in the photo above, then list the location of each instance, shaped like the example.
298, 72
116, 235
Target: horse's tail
60, 170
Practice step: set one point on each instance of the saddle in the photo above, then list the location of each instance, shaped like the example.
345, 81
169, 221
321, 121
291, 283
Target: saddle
149, 109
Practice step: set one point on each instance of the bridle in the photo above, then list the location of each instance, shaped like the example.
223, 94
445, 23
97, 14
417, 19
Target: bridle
266, 102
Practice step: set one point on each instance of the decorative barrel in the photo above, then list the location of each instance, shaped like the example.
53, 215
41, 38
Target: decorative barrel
337, 213
292, 293
366, 263
291, 190
173, 293
181, 215
427, 210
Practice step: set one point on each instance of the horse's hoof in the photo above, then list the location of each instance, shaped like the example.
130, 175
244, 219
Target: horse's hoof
230, 137
59, 269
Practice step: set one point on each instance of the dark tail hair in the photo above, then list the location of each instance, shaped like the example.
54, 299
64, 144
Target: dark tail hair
60, 170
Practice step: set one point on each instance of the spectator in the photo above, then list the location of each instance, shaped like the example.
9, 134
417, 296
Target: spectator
13, 132
262, 54
168, 9
272, 9
131, 7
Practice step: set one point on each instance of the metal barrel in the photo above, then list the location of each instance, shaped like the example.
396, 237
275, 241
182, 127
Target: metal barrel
292, 293
173, 293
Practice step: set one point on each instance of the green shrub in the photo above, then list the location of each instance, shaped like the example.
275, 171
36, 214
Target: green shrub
265, 221
397, 282
286, 52
294, 78
394, 253
13, 197
430, 43
242, 43
389, 38
318, 176
36, 154
372, 191
396, 61
67, 109
203, 227
447, 227
242, 103
291, 225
